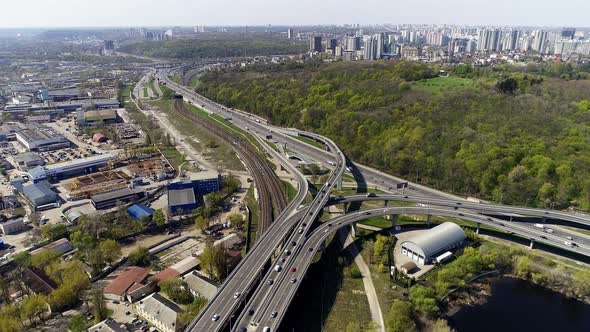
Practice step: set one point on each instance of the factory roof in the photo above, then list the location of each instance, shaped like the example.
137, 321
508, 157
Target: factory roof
38, 190
114, 194
181, 197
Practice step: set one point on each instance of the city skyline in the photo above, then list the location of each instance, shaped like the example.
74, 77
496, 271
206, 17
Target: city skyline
71, 13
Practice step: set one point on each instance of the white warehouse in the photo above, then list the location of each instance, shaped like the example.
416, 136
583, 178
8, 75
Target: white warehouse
37, 137
424, 247
69, 168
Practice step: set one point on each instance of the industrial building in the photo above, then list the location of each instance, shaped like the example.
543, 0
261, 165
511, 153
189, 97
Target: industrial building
36, 137
28, 160
140, 212
62, 246
39, 193
424, 247
64, 106
8, 130
13, 226
110, 199
184, 196
70, 168
96, 117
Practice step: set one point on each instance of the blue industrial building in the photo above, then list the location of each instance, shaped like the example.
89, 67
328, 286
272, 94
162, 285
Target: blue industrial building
184, 196
140, 211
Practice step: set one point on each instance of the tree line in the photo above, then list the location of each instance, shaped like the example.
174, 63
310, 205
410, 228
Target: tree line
515, 135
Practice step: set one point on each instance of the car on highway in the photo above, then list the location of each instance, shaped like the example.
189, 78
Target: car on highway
215, 318
273, 314
237, 294
269, 282
569, 237
549, 230
310, 249
293, 243
283, 259
300, 230
287, 252
294, 280
569, 244
250, 312
293, 269
543, 237
278, 268
371, 195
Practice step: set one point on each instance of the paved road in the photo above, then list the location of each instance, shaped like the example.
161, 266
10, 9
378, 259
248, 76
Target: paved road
280, 304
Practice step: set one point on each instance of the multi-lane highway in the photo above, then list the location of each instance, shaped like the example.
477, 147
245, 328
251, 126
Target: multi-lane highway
291, 234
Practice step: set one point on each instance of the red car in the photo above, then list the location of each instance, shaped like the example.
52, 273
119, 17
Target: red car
293, 269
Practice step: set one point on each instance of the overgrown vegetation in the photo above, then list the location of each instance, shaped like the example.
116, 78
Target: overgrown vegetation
512, 135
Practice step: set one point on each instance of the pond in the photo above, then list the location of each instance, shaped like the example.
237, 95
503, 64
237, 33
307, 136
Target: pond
517, 305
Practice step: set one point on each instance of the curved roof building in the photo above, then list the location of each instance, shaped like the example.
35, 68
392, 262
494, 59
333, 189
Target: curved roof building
427, 244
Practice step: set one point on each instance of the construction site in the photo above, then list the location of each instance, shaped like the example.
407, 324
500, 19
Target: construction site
91, 184
148, 162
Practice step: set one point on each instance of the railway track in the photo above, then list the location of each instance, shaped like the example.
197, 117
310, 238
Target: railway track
271, 196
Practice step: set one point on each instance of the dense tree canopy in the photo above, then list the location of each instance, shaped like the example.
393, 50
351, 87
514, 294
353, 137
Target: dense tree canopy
516, 136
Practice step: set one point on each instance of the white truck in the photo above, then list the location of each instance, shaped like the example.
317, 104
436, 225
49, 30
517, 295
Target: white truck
541, 226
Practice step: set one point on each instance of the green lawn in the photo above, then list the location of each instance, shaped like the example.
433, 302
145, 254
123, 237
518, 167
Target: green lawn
438, 84
153, 87
309, 141
291, 191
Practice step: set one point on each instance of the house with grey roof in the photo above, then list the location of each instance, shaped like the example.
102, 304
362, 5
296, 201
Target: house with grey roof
199, 285
162, 313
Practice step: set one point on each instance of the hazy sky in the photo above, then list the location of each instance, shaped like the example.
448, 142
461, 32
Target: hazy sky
61, 13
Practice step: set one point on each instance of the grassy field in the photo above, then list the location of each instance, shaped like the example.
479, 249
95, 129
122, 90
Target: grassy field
291, 191
439, 84
153, 87
154, 132
309, 141
214, 150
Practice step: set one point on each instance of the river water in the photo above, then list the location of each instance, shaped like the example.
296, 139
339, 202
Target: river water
517, 305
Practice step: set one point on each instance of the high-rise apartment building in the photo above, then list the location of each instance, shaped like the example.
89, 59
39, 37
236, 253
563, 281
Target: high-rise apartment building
489, 40
315, 44
540, 41
290, 35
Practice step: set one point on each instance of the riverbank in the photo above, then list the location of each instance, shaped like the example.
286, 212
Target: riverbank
515, 304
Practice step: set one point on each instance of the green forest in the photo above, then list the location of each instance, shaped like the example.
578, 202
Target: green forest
514, 135
214, 47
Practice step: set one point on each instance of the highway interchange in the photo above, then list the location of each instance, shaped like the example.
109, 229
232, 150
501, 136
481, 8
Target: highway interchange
291, 241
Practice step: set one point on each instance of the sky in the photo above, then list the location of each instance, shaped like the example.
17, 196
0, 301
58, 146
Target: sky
86, 13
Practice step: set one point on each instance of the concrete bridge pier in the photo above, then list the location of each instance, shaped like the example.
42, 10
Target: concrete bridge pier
477, 230
353, 229
532, 244
394, 222
385, 204
428, 218
339, 183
